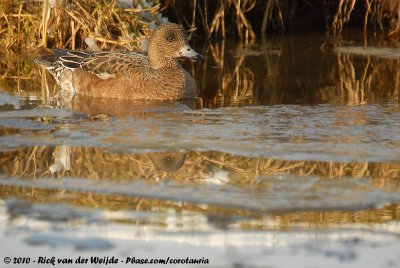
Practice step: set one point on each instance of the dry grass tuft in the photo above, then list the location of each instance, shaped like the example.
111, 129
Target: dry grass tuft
74, 24
214, 18
105, 24
384, 13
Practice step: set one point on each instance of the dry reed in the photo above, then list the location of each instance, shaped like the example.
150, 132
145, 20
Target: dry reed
107, 25
74, 24
215, 19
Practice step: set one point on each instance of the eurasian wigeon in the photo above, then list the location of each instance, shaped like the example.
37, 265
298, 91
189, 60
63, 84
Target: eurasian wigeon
155, 75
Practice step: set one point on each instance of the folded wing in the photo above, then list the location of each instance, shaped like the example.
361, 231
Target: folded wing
102, 63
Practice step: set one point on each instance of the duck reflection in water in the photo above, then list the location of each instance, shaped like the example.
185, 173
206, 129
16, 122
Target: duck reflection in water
95, 107
168, 161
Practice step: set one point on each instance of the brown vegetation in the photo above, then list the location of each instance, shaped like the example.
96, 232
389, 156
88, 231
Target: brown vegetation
217, 18
106, 24
73, 24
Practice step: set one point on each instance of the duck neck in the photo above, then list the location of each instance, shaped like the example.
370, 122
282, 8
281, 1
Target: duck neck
163, 63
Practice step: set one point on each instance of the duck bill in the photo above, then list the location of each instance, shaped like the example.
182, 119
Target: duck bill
188, 53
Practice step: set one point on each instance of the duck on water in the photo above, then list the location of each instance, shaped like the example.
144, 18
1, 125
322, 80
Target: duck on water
138, 75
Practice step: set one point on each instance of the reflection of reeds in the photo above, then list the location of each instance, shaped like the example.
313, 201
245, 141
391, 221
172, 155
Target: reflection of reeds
234, 81
272, 88
371, 81
19, 76
251, 220
230, 77
352, 89
325, 219
97, 163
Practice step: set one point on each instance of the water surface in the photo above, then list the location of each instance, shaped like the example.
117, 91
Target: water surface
297, 136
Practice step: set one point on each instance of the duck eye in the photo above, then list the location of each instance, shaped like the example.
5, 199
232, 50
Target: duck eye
170, 38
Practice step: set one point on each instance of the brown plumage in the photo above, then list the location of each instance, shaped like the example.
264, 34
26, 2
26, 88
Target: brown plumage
155, 75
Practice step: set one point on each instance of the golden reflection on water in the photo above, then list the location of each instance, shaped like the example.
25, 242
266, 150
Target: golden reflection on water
368, 80
100, 163
284, 73
194, 167
264, 73
273, 72
236, 218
